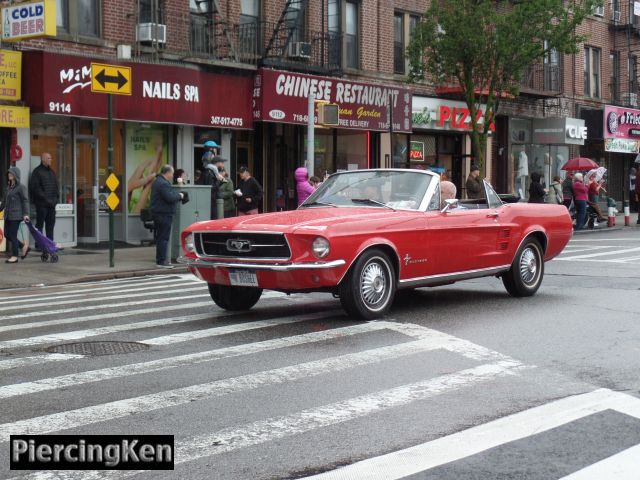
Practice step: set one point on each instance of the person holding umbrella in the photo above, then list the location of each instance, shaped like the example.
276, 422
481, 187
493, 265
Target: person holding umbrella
580, 196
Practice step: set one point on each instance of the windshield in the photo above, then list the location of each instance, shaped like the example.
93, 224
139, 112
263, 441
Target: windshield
372, 188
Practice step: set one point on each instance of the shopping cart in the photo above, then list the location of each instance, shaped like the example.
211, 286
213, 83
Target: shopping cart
47, 246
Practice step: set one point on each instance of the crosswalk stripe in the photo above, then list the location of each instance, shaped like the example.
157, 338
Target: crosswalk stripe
600, 254
170, 398
622, 466
89, 295
109, 373
37, 360
103, 316
42, 313
89, 287
477, 439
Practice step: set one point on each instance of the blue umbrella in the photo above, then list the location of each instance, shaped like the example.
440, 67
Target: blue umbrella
211, 144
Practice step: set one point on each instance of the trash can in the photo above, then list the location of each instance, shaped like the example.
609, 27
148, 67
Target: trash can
197, 209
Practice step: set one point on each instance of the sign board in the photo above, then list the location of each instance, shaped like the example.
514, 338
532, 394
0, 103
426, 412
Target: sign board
438, 114
280, 96
29, 20
10, 75
416, 151
60, 85
110, 79
621, 129
14, 117
559, 131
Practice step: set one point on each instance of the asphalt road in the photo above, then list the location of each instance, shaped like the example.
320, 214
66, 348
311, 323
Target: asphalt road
457, 382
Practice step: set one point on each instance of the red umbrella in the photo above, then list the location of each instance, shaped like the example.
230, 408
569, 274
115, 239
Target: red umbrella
579, 163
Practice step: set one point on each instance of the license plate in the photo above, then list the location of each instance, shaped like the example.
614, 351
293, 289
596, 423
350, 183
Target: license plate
243, 278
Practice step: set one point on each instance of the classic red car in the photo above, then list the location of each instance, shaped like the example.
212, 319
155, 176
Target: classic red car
365, 234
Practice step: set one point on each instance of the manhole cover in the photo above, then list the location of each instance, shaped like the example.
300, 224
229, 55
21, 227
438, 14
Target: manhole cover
98, 348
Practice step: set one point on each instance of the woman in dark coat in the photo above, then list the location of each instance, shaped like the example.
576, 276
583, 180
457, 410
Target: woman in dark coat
536, 190
16, 209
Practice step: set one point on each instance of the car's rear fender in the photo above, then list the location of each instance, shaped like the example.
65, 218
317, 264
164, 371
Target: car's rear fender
382, 244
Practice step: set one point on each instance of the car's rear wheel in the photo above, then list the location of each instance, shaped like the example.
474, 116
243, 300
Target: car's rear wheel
368, 290
234, 298
525, 275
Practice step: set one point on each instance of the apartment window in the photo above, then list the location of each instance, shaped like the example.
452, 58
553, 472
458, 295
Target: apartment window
614, 81
80, 17
551, 70
633, 74
295, 21
398, 43
351, 34
592, 72
249, 26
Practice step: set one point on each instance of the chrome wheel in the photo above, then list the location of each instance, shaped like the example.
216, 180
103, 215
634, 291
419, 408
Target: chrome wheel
374, 284
528, 266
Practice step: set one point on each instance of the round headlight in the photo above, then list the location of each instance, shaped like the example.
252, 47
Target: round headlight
189, 246
320, 247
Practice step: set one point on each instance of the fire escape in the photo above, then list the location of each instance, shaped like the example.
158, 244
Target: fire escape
627, 24
211, 34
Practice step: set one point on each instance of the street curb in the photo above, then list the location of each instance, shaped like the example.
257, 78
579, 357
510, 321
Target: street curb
96, 277
604, 229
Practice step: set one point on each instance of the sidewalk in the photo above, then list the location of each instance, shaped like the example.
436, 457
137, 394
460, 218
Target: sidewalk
81, 265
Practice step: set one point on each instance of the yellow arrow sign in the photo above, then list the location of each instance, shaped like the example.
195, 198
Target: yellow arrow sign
110, 79
113, 201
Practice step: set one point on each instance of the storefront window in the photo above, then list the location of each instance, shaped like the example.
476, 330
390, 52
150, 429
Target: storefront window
351, 150
323, 153
400, 150
55, 138
547, 160
146, 153
103, 163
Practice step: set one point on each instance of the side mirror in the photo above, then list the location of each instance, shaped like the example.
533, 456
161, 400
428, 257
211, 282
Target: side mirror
449, 203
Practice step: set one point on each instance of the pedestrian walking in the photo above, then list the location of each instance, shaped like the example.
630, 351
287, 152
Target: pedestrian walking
211, 176
303, 185
43, 192
249, 193
536, 190
555, 191
164, 200
567, 191
581, 195
226, 192
475, 188
15, 205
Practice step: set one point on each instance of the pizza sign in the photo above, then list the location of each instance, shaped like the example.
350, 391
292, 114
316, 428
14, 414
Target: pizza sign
416, 152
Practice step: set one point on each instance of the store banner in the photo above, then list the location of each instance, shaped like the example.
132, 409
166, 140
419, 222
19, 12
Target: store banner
29, 20
621, 129
10, 75
14, 117
147, 152
448, 115
61, 85
282, 97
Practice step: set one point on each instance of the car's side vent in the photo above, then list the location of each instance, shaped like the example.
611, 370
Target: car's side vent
506, 233
503, 239
503, 246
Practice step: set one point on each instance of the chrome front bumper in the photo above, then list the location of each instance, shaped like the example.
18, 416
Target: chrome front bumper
279, 267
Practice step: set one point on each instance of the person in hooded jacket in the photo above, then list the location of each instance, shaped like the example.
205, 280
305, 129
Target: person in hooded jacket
16, 209
536, 190
303, 186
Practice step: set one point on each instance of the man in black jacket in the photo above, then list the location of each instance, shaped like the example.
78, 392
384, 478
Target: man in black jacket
43, 192
163, 207
249, 193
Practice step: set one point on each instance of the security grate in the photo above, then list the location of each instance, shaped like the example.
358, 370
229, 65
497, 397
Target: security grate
98, 348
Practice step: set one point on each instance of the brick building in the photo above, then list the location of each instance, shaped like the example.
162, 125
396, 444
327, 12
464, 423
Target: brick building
239, 73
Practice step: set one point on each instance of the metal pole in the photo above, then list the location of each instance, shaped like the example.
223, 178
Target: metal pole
110, 159
390, 109
310, 135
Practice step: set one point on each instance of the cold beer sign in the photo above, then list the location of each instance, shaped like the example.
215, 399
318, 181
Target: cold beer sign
29, 20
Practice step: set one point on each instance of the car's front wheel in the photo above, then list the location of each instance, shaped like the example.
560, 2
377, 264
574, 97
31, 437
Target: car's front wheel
525, 275
368, 290
234, 298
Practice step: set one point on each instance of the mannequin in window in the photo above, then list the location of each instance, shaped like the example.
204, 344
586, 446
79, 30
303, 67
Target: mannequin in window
522, 172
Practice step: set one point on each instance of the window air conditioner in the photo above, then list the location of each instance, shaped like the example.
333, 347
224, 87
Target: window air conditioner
300, 50
630, 99
617, 16
151, 32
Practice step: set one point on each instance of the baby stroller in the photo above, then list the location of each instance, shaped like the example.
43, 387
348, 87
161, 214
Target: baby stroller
48, 246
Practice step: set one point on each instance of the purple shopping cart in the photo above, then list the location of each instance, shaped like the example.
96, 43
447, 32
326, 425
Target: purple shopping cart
48, 246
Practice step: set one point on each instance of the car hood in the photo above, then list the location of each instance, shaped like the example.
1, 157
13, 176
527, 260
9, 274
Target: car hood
306, 219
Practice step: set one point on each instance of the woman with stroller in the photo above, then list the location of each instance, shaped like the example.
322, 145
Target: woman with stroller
16, 209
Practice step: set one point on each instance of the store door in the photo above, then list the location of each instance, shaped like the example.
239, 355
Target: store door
87, 189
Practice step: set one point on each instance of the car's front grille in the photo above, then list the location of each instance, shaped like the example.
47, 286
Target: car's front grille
246, 245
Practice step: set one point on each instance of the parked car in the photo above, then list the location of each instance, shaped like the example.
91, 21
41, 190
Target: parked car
365, 234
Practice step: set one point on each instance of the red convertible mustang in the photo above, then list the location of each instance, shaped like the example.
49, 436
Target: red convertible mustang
365, 234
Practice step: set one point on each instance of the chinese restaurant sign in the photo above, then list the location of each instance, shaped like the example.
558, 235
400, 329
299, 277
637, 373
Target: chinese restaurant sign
621, 129
10, 70
61, 85
283, 97
29, 20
